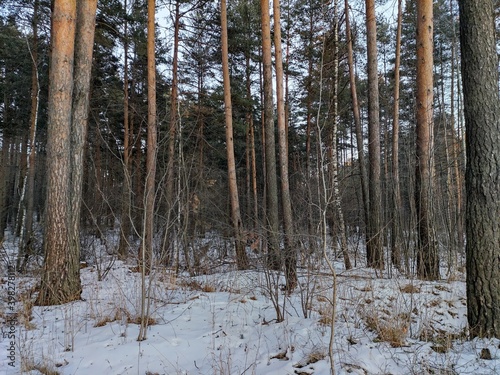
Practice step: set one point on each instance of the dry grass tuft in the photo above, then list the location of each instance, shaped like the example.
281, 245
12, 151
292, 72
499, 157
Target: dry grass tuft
196, 285
208, 288
325, 316
393, 330
137, 320
410, 288
41, 368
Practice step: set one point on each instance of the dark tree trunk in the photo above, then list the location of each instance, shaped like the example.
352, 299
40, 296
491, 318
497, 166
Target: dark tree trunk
374, 230
290, 251
272, 218
482, 180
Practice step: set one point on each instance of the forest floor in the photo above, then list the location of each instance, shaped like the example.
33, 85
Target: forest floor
225, 323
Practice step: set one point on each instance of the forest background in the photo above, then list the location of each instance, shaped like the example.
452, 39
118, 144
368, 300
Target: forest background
362, 166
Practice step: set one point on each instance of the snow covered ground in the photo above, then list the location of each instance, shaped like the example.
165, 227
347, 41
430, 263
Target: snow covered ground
225, 323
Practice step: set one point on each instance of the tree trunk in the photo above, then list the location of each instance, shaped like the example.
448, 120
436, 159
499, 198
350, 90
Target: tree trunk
334, 162
170, 179
375, 254
125, 223
241, 256
482, 180
456, 149
396, 191
146, 250
61, 274
274, 258
84, 45
25, 248
251, 136
427, 256
4, 183
357, 118
290, 252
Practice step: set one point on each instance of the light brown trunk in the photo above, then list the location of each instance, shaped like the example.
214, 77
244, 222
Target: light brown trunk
427, 256
146, 250
61, 274
241, 256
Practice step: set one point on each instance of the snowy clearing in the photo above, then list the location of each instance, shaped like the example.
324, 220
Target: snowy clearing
225, 323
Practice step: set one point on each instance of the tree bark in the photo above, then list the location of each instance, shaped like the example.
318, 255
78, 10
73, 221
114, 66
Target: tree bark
357, 118
170, 179
274, 257
290, 252
25, 248
482, 180
146, 250
84, 45
241, 256
374, 231
125, 219
427, 255
4, 183
61, 274
396, 191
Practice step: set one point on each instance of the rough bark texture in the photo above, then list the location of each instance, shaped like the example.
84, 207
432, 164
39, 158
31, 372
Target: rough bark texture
290, 252
272, 219
482, 180
241, 256
427, 256
84, 43
374, 235
61, 278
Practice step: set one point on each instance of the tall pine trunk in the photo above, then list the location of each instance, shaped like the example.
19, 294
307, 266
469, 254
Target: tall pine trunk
374, 230
125, 219
146, 250
25, 248
84, 45
427, 255
482, 178
334, 162
61, 277
241, 256
357, 118
396, 229
272, 218
290, 252
172, 133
